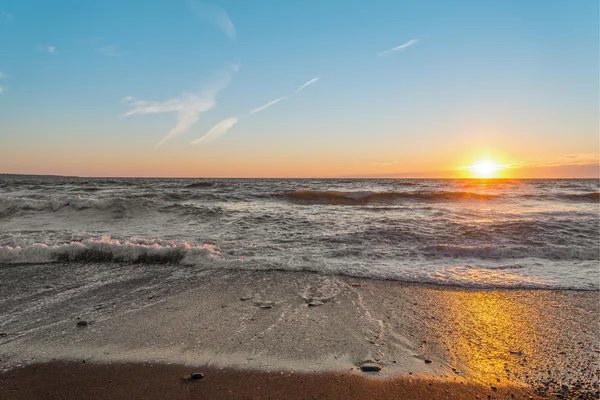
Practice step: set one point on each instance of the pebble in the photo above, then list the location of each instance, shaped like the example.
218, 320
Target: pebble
370, 367
82, 323
428, 361
196, 375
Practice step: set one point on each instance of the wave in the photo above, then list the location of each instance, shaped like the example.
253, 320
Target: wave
198, 185
365, 197
492, 252
14, 204
591, 196
190, 209
105, 249
510, 275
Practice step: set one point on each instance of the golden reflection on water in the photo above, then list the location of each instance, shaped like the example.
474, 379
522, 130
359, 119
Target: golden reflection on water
491, 334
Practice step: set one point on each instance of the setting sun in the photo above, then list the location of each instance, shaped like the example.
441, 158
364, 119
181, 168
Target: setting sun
485, 169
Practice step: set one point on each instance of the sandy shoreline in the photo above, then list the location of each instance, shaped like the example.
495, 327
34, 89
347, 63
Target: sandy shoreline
254, 322
159, 381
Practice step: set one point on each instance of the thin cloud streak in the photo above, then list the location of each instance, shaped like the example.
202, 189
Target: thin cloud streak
188, 106
218, 130
269, 104
399, 48
313, 80
214, 15
222, 127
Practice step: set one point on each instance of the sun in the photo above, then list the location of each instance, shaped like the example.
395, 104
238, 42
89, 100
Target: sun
485, 169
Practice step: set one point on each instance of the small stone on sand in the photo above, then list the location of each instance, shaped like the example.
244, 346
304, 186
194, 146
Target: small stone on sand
82, 323
196, 375
370, 367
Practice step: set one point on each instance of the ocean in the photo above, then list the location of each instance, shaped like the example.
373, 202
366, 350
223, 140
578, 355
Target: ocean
539, 234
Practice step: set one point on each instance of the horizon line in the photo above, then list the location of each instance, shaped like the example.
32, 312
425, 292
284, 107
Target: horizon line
307, 177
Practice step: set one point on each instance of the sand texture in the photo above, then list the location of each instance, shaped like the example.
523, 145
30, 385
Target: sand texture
272, 322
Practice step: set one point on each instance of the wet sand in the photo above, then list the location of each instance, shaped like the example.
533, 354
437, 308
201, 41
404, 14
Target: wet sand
258, 325
147, 381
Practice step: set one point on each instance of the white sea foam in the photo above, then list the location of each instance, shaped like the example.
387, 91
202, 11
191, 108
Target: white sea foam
107, 249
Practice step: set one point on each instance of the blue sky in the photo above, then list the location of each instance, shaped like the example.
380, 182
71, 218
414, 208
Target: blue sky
95, 87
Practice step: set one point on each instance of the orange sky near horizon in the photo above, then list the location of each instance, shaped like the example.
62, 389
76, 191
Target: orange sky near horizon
175, 163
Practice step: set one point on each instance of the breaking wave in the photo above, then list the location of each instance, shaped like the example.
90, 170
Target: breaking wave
106, 249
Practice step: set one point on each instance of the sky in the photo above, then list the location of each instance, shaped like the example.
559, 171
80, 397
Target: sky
312, 88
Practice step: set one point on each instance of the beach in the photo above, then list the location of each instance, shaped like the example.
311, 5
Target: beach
299, 200
308, 288
296, 331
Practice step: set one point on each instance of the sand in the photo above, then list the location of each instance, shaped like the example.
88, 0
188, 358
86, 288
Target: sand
299, 324
147, 381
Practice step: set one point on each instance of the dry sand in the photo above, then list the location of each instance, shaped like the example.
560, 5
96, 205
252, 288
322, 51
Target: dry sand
254, 323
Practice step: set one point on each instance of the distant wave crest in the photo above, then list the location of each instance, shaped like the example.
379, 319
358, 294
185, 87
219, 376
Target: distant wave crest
591, 196
364, 197
198, 185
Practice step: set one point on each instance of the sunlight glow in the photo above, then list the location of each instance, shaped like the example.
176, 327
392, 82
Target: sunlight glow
485, 169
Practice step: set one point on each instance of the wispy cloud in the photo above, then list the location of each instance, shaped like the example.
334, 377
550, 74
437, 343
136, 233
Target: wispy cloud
222, 127
313, 80
269, 104
47, 49
112, 51
188, 106
399, 48
218, 130
214, 15
573, 159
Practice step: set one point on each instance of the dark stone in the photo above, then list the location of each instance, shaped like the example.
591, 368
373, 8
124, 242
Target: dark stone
196, 375
264, 304
2, 334
370, 367
82, 324
428, 361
